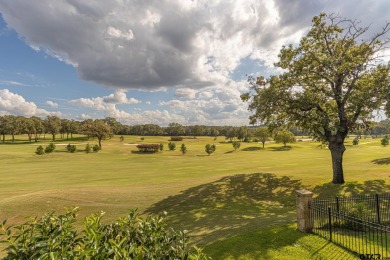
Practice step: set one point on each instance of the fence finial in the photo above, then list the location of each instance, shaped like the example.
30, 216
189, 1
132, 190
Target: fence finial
304, 220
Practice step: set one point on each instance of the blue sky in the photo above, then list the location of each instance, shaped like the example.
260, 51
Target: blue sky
150, 62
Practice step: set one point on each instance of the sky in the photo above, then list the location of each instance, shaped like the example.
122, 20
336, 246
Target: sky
151, 61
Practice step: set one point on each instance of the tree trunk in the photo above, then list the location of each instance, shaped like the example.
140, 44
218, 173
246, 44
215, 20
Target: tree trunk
54, 137
13, 137
100, 142
337, 150
263, 144
3, 138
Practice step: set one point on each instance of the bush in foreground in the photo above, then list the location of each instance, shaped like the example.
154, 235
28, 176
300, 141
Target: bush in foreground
131, 237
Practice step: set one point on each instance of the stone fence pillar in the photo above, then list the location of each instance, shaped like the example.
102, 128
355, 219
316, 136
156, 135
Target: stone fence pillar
305, 223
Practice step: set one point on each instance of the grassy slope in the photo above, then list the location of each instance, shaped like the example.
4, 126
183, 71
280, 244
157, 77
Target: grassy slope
223, 198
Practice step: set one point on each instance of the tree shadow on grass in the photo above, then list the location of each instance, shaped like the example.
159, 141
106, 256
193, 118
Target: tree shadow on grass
139, 152
280, 149
276, 242
252, 148
351, 188
231, 204
382, 161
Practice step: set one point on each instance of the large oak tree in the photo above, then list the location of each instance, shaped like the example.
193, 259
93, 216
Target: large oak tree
331, 84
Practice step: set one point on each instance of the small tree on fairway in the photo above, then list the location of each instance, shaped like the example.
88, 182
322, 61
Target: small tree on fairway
284, 137
385, 140
171, 146
71, 148
96, 148
210, 148
121, 138
355, 141
161, 146
100, 130
40, 150
50, 148
262, 134
88, 148
331, 84
183, 149
236, 145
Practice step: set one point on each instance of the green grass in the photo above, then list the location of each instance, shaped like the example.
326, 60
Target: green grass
230, 196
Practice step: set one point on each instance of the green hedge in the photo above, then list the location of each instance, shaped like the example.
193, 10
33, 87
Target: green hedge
131, 237
148, 148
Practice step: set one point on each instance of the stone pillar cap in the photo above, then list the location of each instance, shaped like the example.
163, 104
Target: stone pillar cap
304, 192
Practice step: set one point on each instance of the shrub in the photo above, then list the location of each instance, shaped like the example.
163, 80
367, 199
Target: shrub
148, 148
161, 146
171, 146
210, 148
88, 148
131, 237
121, 138
71, 148
355, 141
236, 145
183, 149
96, 148
40, 150
385, 140
142, 138
176, 138
50, 148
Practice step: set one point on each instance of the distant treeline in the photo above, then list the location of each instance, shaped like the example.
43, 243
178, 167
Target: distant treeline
36, 127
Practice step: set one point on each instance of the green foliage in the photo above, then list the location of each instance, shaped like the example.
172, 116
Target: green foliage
40, 150
148, 148
171, 146
284, 137
161, 146
236, 145
183, 149
262, 134
71, 148
50, 148
96, 148
130, 237
210, 148
385, 140
142, 138
121, 138
355, 141
88, 148
325, 85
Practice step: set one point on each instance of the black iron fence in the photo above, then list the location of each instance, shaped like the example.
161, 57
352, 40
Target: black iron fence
373, 208
360, 224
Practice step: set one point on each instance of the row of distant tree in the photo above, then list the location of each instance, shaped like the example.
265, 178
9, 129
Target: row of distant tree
54, 126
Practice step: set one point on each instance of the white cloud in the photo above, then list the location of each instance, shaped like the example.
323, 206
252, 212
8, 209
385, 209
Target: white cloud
83, 116
52, 104
13, 83
185, 93
157, 44
194, 46
15, 104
